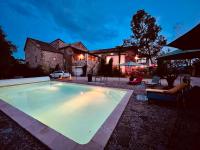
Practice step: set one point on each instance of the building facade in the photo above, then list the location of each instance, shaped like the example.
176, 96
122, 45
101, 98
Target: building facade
69, 57
120, 55
73, 57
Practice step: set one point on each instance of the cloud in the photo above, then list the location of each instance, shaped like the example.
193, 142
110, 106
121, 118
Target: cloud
81, 19
22, 8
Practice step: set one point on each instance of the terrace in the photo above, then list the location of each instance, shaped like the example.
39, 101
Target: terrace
141, 126
130, 96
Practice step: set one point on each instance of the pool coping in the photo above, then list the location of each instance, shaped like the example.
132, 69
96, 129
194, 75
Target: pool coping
57, 141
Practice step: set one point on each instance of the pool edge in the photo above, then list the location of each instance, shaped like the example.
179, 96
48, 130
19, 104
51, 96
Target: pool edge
55, 140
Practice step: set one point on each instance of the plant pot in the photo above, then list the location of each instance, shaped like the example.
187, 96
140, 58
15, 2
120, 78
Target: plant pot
89, 77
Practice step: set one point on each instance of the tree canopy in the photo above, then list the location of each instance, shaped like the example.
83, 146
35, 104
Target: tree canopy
6, 51
145, 35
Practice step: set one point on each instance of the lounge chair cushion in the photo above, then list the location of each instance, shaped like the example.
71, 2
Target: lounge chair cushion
177, 88
161, 96
156, 90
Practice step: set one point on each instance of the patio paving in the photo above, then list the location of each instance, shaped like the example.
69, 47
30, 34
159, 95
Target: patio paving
13, 137
141, 126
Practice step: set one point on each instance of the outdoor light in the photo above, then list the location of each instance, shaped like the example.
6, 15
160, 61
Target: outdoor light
81, 56
54, 58
136, 57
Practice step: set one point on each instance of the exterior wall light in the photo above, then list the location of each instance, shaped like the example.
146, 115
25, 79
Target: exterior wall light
81, 57
136, 58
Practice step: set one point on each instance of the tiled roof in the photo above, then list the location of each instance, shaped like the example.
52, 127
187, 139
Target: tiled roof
74, 47
48, 47
44, 46
57, 40
112, 50
79, 43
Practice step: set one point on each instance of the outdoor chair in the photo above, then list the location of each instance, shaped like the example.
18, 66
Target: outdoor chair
102, 78
173, 94
135, 81
155, 81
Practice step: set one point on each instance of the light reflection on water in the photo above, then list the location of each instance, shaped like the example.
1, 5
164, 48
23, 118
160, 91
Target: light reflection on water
76, 111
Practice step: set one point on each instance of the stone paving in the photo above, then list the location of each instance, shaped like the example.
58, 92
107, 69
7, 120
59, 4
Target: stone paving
13, 137
141, 126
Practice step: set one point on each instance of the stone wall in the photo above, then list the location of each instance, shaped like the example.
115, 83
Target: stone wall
33, 55
66, 58
92, 67
51, 59
68, 53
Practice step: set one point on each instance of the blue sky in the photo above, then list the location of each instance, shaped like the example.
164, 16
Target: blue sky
97, 23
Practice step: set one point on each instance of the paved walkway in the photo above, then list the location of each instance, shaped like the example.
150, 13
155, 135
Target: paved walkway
195, 81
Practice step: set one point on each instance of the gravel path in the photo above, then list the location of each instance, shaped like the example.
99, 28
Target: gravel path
143, 126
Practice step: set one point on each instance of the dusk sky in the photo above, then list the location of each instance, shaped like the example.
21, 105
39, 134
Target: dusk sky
97, 23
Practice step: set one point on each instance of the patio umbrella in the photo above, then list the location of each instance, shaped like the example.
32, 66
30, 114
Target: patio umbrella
131, 64
181, 54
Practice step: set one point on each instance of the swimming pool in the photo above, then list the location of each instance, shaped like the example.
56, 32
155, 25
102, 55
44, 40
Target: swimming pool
75, 111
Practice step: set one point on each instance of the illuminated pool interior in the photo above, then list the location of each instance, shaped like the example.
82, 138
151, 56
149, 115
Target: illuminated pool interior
76, 111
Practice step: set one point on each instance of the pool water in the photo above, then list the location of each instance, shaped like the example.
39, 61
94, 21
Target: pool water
76, 111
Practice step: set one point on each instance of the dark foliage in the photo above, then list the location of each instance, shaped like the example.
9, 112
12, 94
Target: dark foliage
110, 67
11, 67
161, 69
107, 69
197, 67
102, 69
6, 58
167, 70
57, 67
145, 35
23, 70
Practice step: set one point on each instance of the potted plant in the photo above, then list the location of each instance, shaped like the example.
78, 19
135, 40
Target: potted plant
171, 74
170, 79
168, 71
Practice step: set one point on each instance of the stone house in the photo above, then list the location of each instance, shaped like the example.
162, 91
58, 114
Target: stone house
69, 57
72, 57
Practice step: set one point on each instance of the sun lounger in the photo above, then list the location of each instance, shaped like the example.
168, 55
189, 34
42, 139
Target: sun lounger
166, 95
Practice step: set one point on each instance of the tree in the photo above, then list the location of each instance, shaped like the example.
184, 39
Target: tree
57, 67
145, 35
119, 48
102, 68
110, 67
6, 58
